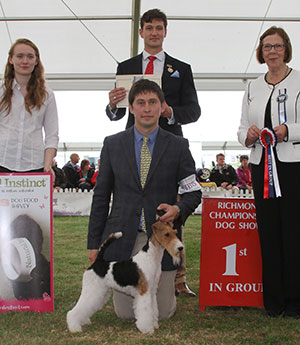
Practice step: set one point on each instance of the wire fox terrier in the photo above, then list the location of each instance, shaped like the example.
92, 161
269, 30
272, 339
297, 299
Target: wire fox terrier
137, 277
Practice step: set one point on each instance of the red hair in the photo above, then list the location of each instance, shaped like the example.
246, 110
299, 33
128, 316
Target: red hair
36, 86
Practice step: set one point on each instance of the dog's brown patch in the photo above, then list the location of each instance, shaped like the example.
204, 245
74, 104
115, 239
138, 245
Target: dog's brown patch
143, 284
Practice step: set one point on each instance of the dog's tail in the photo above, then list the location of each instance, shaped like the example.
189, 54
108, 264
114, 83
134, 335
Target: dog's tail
111, 238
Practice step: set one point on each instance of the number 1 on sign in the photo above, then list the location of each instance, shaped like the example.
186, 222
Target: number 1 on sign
230, 260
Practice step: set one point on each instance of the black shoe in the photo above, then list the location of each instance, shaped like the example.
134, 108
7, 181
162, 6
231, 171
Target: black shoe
292, 314
273, 313
183, 290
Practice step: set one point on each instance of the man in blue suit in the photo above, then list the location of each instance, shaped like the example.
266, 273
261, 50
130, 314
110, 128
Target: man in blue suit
182, 105
172, 167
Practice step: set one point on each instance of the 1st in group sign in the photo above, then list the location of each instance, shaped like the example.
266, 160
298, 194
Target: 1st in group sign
230, 260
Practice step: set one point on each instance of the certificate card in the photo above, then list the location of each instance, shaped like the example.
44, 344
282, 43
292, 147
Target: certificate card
127, 80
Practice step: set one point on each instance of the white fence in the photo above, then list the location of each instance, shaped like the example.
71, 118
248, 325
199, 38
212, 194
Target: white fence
78, 203
72, 203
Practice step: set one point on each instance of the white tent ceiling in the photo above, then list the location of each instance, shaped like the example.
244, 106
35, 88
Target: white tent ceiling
217, 37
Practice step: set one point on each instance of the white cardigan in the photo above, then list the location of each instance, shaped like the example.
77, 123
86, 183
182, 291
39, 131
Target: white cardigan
285, 108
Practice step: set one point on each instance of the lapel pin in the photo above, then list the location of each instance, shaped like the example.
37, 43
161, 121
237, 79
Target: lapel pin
170, 69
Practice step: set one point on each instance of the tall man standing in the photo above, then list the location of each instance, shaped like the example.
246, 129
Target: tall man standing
135, 199
182, 105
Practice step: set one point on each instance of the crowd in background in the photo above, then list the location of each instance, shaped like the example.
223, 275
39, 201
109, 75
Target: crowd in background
226, 176
83, 176
74, 176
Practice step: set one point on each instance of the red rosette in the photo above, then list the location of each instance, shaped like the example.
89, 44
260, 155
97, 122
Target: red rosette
268, 140
268, 137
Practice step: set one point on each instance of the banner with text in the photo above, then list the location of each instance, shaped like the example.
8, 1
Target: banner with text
230, 260
26, 262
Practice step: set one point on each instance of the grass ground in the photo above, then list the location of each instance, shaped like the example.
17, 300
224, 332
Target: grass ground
217, 325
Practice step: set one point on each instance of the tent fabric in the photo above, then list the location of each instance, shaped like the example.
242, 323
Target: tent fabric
218, 38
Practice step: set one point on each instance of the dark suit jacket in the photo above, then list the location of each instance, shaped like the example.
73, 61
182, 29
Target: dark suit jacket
171, 162
180, 92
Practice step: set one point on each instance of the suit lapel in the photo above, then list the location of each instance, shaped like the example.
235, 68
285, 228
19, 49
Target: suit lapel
136, 66
168, 64
161, 145
129, 151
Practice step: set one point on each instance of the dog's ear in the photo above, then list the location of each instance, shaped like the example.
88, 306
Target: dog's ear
154, 226
171, 224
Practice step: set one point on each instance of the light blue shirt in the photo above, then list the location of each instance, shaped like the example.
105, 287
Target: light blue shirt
138, 143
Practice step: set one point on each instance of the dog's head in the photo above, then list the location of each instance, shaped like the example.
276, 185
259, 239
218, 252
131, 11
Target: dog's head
165, 235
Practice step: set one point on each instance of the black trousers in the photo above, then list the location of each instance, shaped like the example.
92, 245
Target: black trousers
279, 232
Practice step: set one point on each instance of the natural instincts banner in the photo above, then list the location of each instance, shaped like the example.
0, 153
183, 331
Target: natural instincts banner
26, 274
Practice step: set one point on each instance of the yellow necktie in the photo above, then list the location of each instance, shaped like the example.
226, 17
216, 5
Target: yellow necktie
145, 165
145, 161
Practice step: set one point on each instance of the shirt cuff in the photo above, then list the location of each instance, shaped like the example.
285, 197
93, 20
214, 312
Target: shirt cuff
112, 112
171, 120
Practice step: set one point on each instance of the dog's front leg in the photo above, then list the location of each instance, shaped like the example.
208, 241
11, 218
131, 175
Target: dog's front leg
93, 297
143, 312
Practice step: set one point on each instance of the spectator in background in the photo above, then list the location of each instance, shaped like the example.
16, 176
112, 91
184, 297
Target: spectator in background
70, 169
84, 176
60, 177
244, 174
224, 175
94, 178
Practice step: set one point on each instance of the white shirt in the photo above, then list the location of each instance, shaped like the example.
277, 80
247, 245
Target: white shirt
24, 136
158, 68
158, 63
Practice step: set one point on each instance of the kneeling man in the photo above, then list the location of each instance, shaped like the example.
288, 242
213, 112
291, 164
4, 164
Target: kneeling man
143, 168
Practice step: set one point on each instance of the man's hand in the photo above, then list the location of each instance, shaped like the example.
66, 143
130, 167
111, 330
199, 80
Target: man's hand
171, 213
224, 184
115, 96
167, 111
93, 255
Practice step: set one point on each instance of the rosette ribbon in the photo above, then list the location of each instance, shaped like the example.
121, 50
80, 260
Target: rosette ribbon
268, 140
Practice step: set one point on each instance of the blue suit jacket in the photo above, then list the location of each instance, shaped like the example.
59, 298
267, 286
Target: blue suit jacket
178, 88
171, 162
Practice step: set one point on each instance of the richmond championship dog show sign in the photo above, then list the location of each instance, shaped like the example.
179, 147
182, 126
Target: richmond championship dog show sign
230, 261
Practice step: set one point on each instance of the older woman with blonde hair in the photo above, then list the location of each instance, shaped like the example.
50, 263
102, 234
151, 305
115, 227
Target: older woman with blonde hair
270, 126
27, 109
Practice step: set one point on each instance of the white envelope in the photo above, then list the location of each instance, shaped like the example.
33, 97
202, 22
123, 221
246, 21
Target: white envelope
127, 80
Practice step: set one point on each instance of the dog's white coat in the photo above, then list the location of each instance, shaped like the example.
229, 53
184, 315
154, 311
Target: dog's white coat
96, 290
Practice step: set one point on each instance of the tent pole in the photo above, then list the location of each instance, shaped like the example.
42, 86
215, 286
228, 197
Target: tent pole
136, 9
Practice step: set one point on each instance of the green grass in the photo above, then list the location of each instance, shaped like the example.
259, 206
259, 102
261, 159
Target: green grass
217, 325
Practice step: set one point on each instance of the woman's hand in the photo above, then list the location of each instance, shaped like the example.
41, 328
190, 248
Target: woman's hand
252, 135
281, 133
